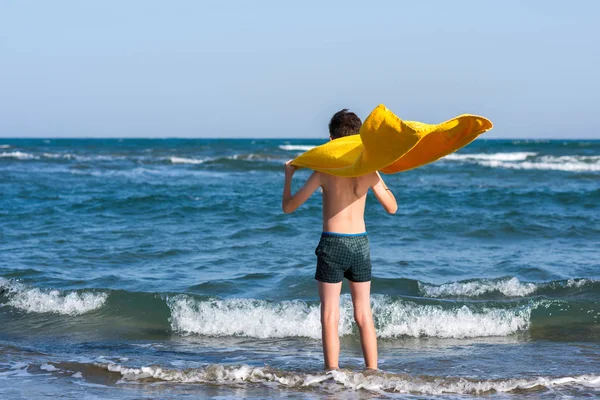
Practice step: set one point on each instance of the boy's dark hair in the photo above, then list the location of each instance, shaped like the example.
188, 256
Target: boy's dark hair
344, 123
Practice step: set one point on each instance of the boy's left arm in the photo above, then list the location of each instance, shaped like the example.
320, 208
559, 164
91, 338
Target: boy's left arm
289, 202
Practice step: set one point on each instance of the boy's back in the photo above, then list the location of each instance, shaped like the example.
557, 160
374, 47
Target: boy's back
344, 203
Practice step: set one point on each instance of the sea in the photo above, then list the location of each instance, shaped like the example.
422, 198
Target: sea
165, 268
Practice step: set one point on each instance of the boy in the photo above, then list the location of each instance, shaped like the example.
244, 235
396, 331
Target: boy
343, 250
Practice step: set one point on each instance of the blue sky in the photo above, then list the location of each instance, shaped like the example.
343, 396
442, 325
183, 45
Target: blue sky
281, 69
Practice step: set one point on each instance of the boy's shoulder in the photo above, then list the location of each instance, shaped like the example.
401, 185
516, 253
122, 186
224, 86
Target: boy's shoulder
369, 176
370, 179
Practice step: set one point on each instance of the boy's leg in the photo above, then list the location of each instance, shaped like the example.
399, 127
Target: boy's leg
361, 300
330, 318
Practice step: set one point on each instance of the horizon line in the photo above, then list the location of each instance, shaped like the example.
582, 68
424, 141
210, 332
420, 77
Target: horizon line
247, 138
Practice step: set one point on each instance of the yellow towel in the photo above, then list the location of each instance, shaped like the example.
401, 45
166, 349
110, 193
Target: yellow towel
390, 145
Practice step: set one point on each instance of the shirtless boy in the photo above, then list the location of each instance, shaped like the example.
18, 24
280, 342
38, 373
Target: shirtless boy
344, 247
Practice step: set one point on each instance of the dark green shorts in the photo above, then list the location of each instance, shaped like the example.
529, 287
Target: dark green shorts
343, 255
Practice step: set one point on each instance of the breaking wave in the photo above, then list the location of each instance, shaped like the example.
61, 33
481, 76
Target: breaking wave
183, 160
63, 156
508, 287
18, 155
250, 317
393, 318
296, 147
32, 299
433, 313
373, 381
531, 161
516, 156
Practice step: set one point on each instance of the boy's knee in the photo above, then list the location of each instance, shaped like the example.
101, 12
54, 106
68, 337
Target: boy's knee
363, 318
330, 318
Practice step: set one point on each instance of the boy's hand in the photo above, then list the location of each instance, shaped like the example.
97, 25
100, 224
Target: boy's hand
289, 168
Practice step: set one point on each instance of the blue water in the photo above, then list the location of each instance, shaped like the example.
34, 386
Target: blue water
166, 268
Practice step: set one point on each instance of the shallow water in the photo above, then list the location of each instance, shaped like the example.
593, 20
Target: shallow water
165, 268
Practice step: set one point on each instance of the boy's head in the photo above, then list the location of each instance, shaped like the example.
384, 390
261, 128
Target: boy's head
344, 123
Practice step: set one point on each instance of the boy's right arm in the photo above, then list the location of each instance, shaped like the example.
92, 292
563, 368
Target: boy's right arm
384, 194
290, 202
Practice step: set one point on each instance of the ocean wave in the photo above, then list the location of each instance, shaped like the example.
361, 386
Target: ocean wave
296, 147
64, 156
79, 157
183, 160
531, 161
246, 162
507, 286
373, 381
238, 160
213, 160
55, 155
393, 318
403, 318
5, 146
32, 299
510, 287
554, 166
249, 156
250, 317
19, 155
515, 156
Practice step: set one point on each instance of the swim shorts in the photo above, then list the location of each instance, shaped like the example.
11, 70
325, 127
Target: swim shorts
343, 255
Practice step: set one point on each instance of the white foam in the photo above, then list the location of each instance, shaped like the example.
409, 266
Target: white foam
66, 156
349, 380
509, 287
249, 317
52, 155
19, 155
48, 367
587, 159
548, 166
529, 161
20, 371
182, 160
212, 373
78, 157
5, 146
250, 156
296, 147
32, 299
439, 386
395, 318
577, 283
98, 157
516, 156
261, 319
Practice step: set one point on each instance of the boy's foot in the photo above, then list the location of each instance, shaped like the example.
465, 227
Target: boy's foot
371, 371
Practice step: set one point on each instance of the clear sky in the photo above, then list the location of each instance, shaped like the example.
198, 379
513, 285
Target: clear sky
281, 68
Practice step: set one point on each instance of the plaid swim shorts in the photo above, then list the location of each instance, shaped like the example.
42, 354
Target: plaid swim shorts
343, 255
